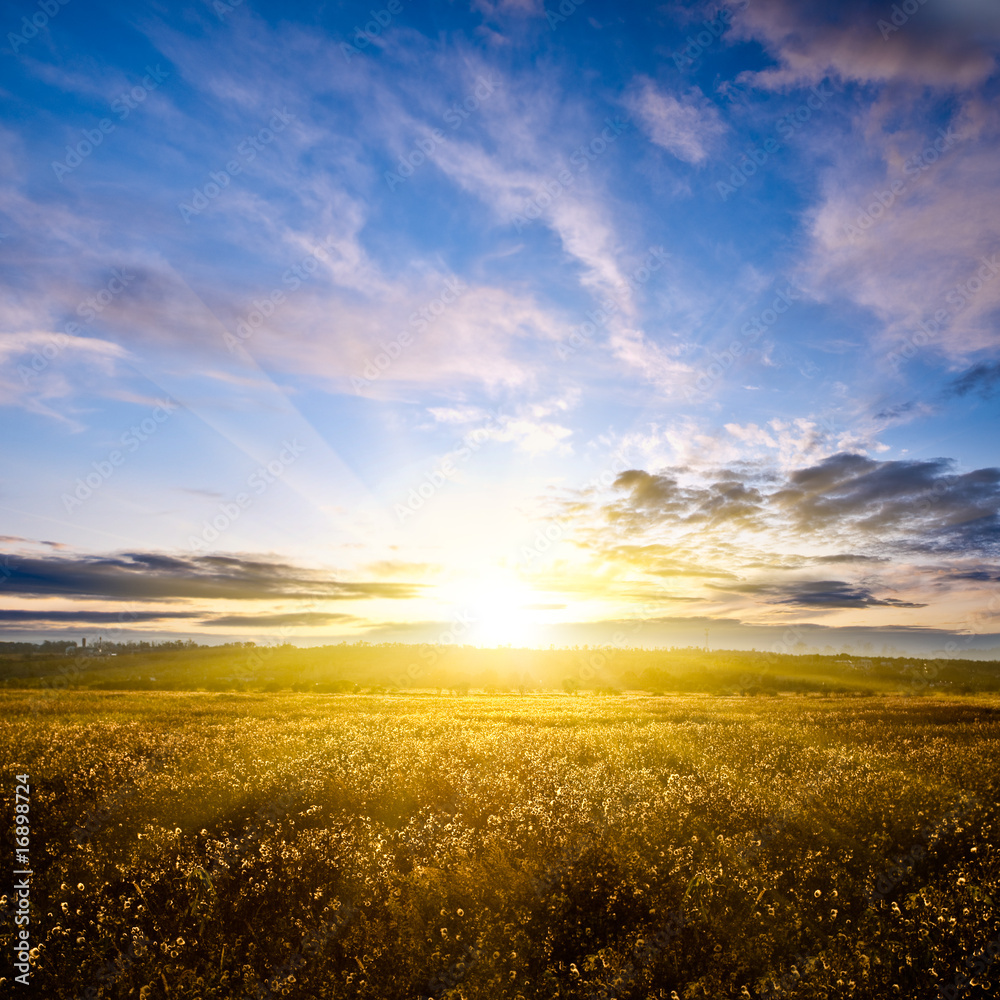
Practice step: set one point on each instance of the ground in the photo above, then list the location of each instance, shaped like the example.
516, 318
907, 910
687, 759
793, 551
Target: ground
222, 845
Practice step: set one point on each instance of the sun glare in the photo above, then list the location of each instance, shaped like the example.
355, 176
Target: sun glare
502, 612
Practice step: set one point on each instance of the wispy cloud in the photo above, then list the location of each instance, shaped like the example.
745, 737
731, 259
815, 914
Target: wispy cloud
488, 220
686, 126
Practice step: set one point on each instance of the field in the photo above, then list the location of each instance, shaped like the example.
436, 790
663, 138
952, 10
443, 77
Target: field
229, 845
386, 667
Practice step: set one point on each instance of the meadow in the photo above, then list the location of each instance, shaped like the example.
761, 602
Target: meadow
229, 845
377, 668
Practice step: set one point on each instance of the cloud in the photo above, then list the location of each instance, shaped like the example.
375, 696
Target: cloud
42, 616
750, 531
19, 540
948, 45
898, 226
152, 577
850, 557
42, 371
979, 575
534, 437
662, 496
524, 428
900, 411
824, 594
685, 126
786, 444
497, 9
316, 185
656, 363
982, 379
899, 229
293, 618
665, 561
916, 504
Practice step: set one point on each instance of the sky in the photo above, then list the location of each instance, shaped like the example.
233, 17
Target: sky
502, 322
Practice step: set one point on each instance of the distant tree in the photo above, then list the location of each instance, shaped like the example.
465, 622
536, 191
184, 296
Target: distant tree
571, 685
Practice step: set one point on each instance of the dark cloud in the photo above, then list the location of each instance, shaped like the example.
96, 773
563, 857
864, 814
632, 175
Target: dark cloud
138, 576
982, 379
920, 504
981, 575
849, 557
305, 618
42, 616
949, 45
661, 497
818, 594
897, 411
916, 505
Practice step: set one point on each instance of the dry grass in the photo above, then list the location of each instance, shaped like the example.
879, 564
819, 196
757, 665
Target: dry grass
199, 845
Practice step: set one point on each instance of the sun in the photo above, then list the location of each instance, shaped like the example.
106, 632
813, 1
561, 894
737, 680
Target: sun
503, 612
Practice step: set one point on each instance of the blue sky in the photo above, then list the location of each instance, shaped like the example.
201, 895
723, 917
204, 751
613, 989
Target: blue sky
330, 321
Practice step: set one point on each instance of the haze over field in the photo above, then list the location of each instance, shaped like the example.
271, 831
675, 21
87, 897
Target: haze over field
502, 323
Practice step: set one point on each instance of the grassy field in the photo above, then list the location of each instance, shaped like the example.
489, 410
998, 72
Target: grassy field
386, 667
203, 845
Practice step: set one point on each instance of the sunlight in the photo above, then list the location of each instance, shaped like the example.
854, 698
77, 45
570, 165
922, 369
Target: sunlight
502, 612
